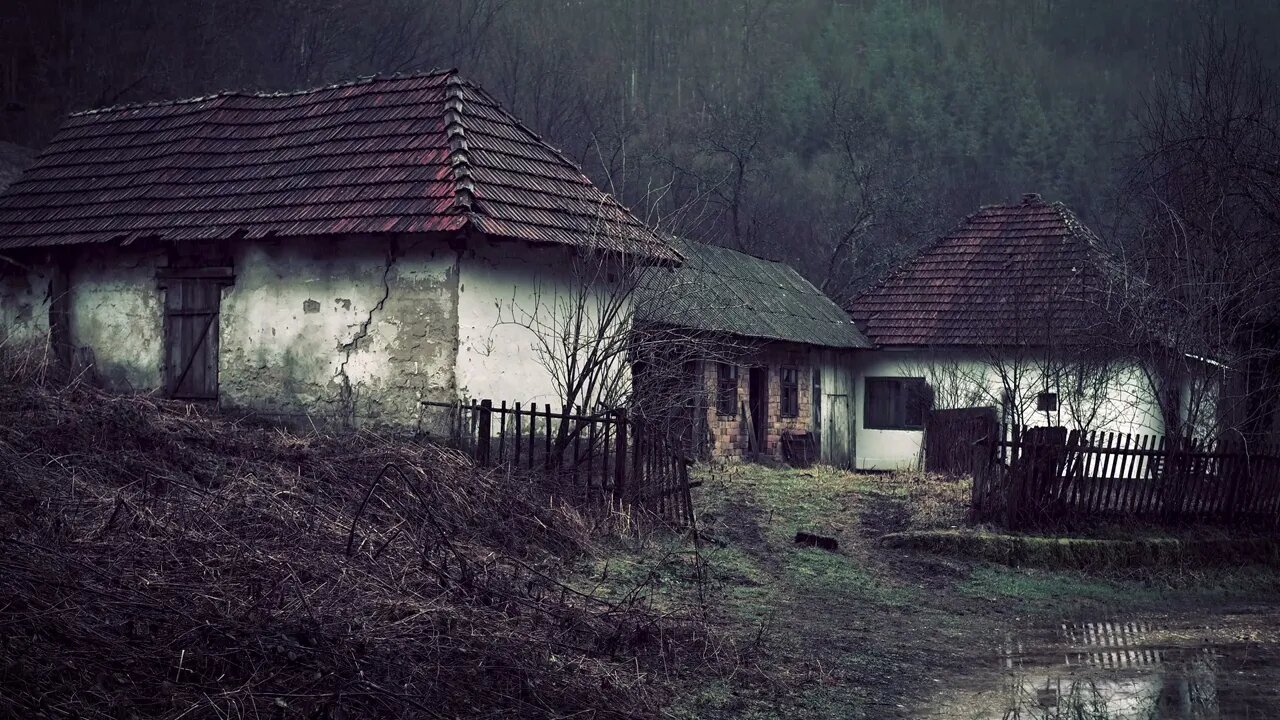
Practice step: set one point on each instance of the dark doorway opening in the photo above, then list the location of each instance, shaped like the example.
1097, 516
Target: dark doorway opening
758, 406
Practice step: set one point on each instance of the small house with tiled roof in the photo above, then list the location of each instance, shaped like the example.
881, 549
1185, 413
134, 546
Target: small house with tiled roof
336, 253
774, 375
1008, 310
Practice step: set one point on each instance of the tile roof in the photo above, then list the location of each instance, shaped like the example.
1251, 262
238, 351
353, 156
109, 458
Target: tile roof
724, 291
1025, 274
419, 153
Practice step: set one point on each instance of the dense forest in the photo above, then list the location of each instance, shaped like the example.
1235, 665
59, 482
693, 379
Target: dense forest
835, 134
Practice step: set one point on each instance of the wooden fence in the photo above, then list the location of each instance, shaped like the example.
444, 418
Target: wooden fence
1043, 476
604, 456
949, 436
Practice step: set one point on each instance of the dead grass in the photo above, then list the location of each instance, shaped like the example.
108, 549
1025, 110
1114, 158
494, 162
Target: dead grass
160, 561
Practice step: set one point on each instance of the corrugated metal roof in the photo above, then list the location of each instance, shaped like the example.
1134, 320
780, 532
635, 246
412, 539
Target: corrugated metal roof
418, 153
724, 291
1026, 274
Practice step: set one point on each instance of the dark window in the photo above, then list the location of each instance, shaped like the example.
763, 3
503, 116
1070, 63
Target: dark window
789, 381
726, 389
1047, 402
815, 399
895, 403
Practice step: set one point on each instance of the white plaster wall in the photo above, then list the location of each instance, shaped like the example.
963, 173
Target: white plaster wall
323, 330
117, 316
326, 330
1128, 407
24, 305
502, 282
114, 307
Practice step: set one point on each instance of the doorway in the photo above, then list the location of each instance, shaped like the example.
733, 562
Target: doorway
758, 406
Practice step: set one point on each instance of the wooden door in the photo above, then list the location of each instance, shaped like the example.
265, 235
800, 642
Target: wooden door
836, 421
950, 436
836, 445
191, 337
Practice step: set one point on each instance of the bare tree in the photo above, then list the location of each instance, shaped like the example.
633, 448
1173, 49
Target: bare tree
1201, 220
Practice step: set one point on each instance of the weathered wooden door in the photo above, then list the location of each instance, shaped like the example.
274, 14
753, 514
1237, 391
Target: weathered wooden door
836, 443
191, 337
836, 428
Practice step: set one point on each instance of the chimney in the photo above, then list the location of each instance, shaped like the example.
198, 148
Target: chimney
1030, 198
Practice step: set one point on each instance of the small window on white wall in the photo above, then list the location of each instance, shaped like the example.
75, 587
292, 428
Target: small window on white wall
894, 403
1047, 402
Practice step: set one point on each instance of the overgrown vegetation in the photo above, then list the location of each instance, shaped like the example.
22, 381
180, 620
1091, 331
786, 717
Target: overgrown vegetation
205, 568
160, 561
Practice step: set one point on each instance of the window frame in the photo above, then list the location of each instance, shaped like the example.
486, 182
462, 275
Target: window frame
724, 373
789, 392
900, 409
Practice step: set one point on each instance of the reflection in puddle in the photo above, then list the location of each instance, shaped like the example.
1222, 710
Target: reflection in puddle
1121, 671
1141, 682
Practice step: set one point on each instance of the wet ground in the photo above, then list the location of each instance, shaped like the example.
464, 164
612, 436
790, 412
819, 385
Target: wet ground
1206, 668
873, 632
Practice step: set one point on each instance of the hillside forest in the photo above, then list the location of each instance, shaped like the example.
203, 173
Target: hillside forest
835, 134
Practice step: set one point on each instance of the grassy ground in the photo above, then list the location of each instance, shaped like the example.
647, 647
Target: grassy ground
867, 631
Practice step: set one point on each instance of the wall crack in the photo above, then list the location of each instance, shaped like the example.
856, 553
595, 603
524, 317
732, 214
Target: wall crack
346, 393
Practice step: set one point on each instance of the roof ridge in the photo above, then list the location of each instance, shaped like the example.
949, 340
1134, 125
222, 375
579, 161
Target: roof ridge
560, 154
455, 130
359, 80
933, 244
913, 257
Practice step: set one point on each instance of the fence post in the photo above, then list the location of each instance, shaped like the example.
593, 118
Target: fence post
620, 458
980, 462
486, 417
636, 479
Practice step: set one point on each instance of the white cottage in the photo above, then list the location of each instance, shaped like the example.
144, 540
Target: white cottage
1010, 310
331, 255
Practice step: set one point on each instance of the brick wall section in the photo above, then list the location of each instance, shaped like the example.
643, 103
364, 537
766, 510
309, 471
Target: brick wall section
728, 434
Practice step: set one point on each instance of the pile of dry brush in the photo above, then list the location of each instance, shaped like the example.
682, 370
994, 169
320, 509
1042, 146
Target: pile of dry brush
158, 561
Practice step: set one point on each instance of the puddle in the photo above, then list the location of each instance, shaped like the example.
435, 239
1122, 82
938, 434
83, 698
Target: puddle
1125, 670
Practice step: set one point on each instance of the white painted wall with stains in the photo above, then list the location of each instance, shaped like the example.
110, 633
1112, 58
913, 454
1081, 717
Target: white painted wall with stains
968, 378
355, 331
25, 289
351, 330
113, 306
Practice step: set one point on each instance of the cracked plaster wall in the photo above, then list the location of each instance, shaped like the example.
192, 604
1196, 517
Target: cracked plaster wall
330, 331
318, 330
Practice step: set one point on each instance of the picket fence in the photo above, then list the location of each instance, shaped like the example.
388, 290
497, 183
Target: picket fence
603, 456
1043, 476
